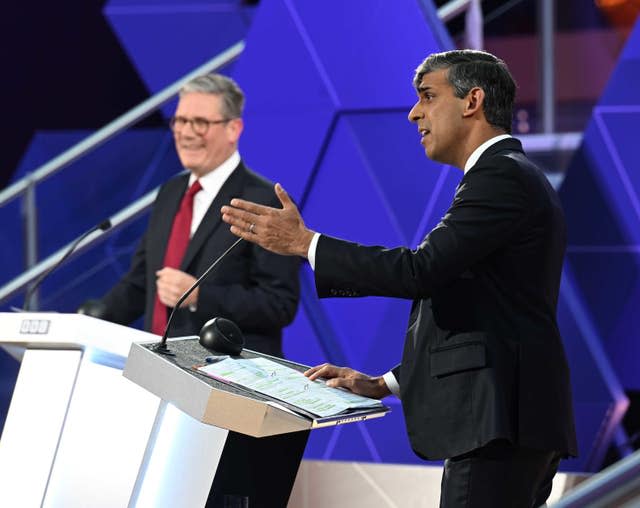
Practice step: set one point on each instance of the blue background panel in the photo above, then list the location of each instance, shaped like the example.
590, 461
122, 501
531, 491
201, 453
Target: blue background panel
70, 202
601, 196
595, 224
617, 125
285, 147
301, 343
598, 397
278, 70
408, 182
165, 39
367, 49
346, 198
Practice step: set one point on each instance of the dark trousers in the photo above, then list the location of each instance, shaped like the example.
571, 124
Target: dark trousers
498, 475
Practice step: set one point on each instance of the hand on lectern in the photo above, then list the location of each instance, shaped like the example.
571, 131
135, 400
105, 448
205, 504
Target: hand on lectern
344, 377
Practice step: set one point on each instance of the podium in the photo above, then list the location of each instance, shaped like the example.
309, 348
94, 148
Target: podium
76, 430
78, 433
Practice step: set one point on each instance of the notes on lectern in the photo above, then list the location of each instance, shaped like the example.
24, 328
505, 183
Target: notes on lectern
288, 385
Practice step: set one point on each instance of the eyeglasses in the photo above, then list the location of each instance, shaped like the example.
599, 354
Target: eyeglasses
199, 125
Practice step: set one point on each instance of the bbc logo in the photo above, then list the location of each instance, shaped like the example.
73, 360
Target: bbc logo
34, 326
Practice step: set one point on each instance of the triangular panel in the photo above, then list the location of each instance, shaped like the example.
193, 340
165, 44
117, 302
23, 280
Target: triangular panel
601, 199
180, 36
407, 179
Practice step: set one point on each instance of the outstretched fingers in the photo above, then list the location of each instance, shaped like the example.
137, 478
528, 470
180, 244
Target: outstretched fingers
239, 219
283, 196
250, 207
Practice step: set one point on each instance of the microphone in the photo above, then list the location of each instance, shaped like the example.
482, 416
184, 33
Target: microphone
103, 226
161, 347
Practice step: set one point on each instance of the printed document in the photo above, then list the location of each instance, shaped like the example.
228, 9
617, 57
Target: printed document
286, 384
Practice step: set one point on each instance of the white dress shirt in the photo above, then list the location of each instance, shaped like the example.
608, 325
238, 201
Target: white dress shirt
211, 183
389, 378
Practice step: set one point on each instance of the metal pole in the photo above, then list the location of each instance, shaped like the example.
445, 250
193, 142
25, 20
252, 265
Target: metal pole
451, 9
30, 232
122, 218
119, 124
547, 97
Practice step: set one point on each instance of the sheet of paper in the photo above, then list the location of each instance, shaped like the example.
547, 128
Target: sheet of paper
286, 384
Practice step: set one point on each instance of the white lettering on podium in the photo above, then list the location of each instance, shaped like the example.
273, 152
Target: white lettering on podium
34, 326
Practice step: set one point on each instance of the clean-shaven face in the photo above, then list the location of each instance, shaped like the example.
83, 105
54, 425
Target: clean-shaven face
201, 153
438, 114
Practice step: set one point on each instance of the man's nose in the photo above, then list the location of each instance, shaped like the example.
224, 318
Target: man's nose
414, 113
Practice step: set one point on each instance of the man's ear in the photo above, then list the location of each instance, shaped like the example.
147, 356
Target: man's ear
235, 129
473, 102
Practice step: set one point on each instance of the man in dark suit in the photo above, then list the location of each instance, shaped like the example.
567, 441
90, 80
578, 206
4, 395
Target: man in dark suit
484, 381
254, 288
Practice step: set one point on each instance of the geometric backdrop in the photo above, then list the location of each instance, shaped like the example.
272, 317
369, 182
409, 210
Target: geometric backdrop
328, 91
600, 195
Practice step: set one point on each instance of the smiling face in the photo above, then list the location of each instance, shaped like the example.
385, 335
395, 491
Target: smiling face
439, 116
201, 153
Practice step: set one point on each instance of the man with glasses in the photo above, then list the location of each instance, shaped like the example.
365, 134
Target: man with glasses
256, 289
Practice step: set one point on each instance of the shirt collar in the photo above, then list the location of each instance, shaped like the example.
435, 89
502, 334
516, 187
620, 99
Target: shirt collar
475, 155
213, 180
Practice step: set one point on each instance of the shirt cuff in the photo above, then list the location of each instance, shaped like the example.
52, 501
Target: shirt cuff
392, 383
311, 253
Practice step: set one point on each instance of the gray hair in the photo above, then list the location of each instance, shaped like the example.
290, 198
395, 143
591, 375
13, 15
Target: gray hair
470, 68
217, 84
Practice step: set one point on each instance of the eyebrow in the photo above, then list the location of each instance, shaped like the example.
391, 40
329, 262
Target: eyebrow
422, 89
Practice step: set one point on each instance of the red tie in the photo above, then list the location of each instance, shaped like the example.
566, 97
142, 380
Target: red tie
176, 247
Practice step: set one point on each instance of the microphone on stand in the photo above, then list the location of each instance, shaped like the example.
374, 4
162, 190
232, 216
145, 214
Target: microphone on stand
161, 347
103, 226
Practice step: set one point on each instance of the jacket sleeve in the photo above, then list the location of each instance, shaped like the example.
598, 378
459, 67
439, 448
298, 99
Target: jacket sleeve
125, 302
489, 206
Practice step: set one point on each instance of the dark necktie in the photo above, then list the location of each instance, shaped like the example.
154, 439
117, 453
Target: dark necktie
176, 247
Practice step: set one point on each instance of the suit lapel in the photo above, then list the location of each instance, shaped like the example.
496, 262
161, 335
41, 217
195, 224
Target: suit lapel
211, 221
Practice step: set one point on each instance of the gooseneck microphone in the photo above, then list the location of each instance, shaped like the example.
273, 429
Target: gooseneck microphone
103, 226
161, 347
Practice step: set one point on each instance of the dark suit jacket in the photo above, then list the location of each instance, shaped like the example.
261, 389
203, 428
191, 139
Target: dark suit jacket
257, 290
483, 358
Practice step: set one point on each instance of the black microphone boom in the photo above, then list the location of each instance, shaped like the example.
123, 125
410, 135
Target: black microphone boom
161, 347
103, 226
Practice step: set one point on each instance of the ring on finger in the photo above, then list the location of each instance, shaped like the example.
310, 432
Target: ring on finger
252, 227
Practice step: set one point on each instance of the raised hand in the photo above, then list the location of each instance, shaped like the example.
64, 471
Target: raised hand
279, 230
